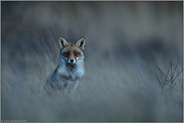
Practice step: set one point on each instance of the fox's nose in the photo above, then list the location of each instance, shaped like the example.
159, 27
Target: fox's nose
71, 61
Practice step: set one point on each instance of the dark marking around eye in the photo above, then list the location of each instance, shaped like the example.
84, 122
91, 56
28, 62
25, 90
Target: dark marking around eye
66, 54
76, 53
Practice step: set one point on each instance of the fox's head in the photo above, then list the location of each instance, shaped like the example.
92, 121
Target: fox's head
71, 54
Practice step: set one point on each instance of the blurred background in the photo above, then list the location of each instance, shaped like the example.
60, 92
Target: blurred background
125, 43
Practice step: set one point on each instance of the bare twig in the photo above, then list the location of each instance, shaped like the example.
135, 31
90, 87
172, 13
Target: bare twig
169, 77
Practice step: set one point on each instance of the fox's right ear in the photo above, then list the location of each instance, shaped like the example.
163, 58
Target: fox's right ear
62, 42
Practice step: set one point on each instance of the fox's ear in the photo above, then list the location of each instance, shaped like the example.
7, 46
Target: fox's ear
62, 42
81, 43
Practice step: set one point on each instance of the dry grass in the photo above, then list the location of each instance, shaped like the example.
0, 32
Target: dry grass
125, 41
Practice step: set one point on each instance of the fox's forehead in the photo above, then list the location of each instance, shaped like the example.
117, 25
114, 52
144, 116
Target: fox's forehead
71, 48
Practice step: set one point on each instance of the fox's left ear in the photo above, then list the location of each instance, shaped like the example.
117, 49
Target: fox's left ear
81, 43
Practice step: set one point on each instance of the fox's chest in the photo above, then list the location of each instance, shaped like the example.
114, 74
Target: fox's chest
70, 73
69, 80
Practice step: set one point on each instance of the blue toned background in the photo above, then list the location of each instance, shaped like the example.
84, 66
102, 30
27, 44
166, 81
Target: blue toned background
125, 42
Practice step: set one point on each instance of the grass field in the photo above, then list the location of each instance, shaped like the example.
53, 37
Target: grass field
125, 42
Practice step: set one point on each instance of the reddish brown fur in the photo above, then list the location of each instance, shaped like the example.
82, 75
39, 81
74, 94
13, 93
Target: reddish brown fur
71, 54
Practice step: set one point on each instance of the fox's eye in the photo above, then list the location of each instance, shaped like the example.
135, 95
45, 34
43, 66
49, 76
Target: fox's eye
66, 54
77, 54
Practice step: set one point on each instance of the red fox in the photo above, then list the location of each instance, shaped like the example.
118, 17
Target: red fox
70, 70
